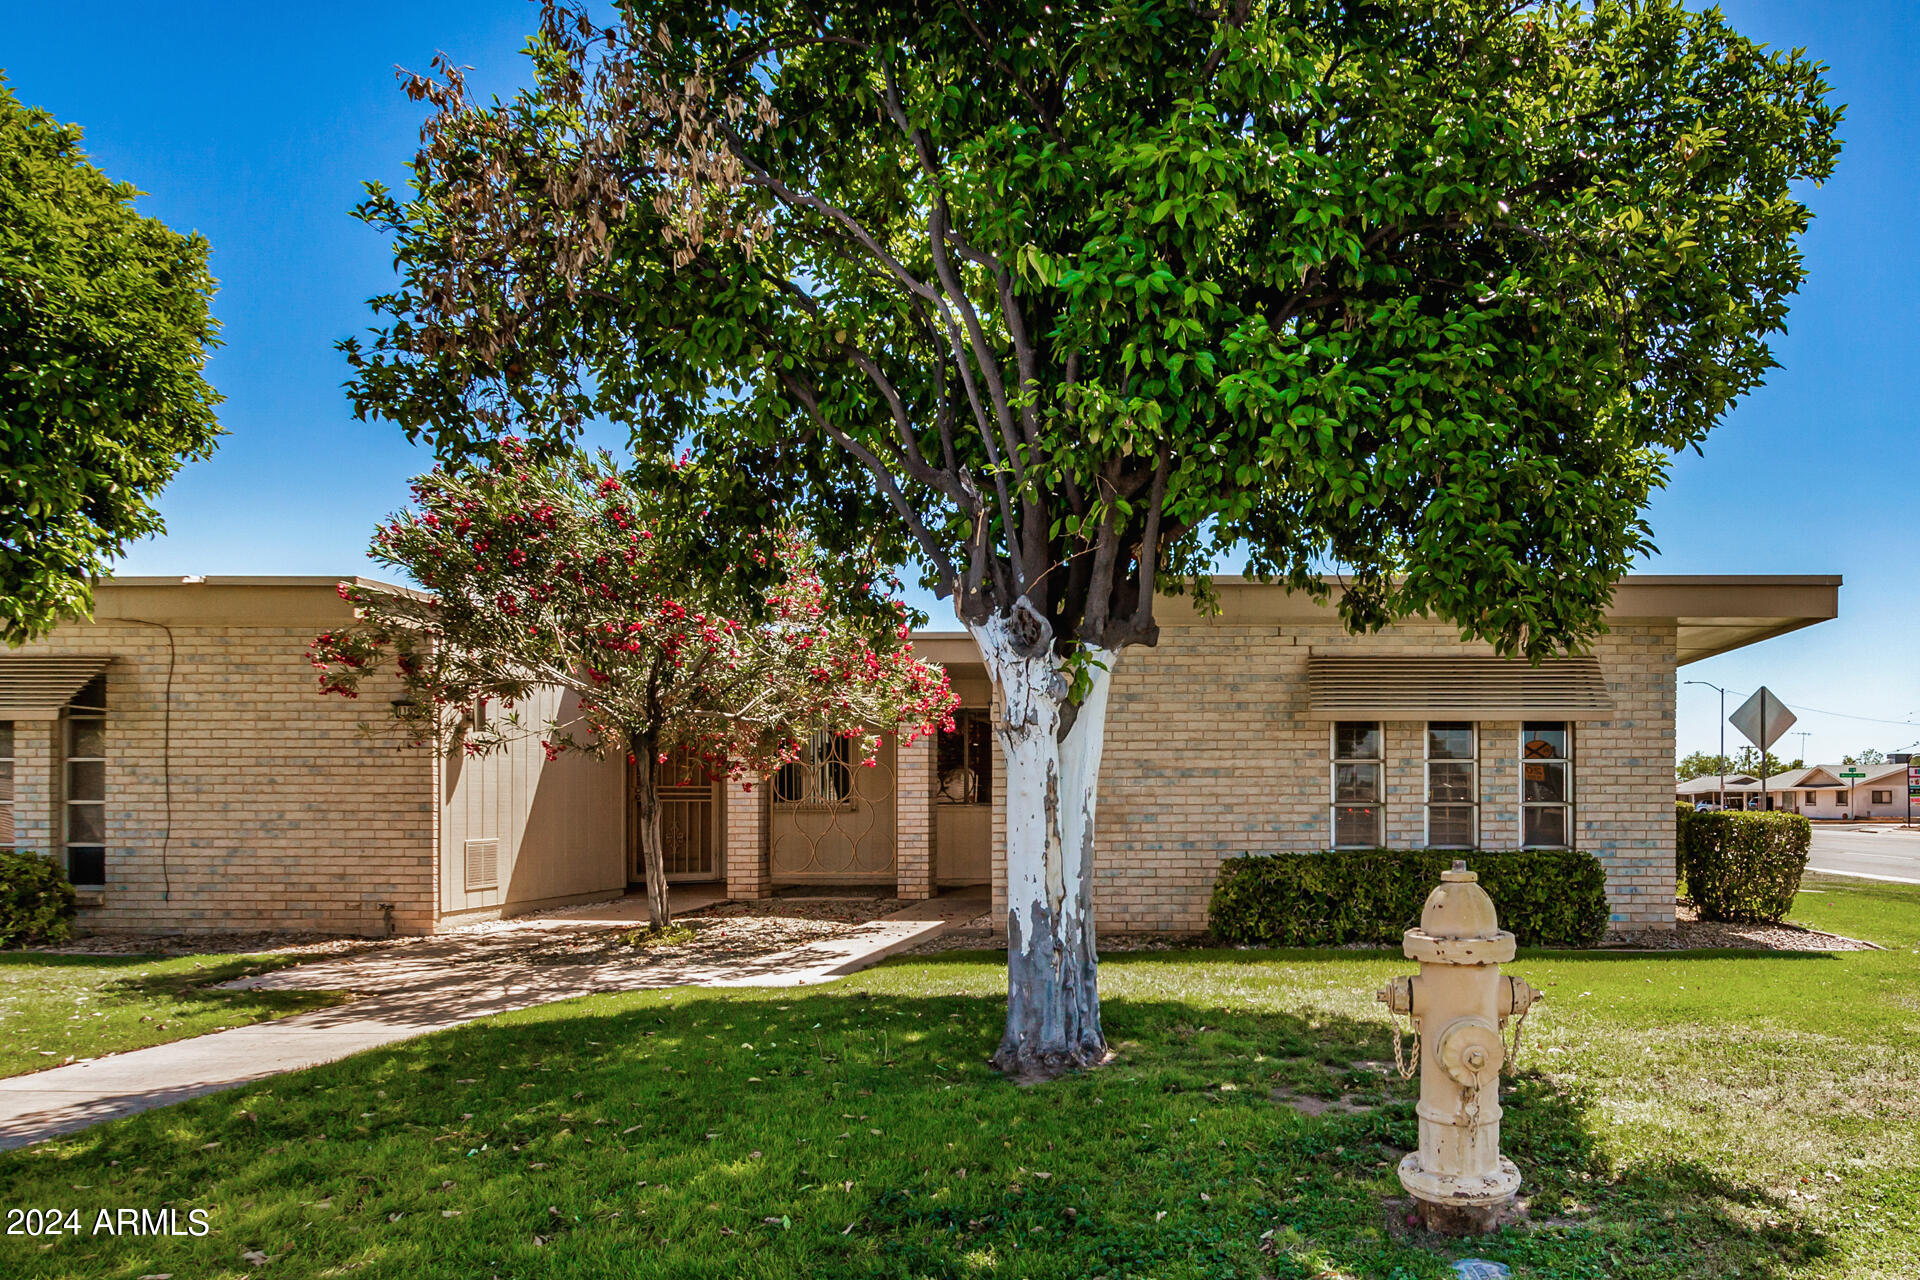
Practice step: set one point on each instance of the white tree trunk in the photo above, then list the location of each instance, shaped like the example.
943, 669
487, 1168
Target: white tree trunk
1053, 997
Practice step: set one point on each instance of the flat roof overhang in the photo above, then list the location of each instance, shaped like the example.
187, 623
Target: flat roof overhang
248, 600
1714, 613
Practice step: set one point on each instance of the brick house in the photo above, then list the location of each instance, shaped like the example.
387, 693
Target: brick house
175, 755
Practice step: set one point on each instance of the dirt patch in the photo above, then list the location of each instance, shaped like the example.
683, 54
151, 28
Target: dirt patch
1308, 1104
978, 934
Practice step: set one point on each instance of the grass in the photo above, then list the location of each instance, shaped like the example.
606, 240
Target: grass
61, 1008
1694, 1115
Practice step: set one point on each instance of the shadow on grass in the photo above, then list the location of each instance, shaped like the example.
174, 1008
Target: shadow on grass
851, 1133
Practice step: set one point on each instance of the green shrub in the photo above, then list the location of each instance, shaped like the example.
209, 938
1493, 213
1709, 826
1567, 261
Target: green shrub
36, 902
1547, 897
1744, 867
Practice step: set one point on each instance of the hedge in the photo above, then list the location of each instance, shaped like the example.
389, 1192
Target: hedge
36, 903
1546, 897
1743, 867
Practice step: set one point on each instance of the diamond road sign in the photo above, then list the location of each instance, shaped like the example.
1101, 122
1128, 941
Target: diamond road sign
1747, 719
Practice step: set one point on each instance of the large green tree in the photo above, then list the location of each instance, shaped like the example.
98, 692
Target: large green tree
104, 334
1067, 300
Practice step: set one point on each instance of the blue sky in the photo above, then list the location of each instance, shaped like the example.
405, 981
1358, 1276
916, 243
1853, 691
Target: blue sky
256, 124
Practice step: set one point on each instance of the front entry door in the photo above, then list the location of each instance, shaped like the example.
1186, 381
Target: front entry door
689, 844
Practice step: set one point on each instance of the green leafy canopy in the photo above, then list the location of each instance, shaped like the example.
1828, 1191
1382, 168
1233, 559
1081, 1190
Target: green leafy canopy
104, 335
1067, 301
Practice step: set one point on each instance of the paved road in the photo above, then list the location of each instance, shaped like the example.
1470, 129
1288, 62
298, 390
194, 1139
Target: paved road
1886, 853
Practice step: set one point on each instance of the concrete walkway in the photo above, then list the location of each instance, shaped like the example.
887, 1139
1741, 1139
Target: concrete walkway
428, 986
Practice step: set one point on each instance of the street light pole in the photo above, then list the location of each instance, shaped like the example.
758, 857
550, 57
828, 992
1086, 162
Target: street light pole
1723, 741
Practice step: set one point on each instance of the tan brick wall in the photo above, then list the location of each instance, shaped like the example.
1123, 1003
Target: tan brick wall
913, 817
284, 815
746, 842
1210, 753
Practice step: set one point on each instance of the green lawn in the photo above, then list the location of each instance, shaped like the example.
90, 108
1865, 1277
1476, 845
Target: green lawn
1703, 1115
58, 1008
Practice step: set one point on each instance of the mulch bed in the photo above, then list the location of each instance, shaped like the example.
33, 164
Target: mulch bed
1691, 933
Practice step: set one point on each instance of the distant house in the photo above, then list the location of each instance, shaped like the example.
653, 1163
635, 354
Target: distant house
176, 758
1819, 792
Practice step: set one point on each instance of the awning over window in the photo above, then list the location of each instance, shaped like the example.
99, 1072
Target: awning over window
36, 688
1387, 687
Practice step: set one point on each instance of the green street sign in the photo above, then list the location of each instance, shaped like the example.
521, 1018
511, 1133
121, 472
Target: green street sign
1852, 773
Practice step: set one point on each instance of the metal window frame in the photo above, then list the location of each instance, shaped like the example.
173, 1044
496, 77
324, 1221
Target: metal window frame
10, 759
815, 767
962, 717
1573, 784
1473, 767
1335, 760
72, 716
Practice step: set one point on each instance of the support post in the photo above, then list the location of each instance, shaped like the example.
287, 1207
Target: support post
747, 875
913, 818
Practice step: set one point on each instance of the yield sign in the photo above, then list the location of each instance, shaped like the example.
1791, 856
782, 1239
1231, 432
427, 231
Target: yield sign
1762, 718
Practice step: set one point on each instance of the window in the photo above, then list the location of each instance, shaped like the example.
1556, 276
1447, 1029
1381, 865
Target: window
1546, 784
1840, 799
822, 777
965, 760
1356, 785
1813, 797
1453, 790
6, 784
1882, 797
86, 785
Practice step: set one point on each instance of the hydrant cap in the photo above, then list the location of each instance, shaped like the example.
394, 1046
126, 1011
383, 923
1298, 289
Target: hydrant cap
1459, 907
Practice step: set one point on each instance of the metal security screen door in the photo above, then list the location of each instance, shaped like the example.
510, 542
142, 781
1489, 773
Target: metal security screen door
689, 843
831, 817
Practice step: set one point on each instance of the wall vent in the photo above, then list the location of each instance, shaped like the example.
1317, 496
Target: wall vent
1393, 687
483, 864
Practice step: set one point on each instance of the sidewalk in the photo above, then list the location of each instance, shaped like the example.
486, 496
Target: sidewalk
424, 987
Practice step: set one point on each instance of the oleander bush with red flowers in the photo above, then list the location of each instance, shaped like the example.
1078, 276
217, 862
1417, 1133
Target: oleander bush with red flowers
561, 572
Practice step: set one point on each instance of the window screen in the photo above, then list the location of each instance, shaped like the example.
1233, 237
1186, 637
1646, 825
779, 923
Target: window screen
1546, 784
1453, 789
1356, 784
85, 791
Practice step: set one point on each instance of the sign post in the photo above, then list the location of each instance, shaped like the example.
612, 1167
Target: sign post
1761, 719
1853, 777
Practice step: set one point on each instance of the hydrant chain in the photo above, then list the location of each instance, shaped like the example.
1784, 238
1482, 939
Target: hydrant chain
1405, 1068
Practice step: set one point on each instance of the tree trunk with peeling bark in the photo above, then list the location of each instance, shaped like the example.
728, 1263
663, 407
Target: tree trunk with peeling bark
1050, 787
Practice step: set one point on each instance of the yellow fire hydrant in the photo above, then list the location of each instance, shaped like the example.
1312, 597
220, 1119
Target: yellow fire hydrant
1459, 1004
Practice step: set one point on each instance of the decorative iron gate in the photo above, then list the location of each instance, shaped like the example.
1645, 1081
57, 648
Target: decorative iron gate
689, 840
832, 818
